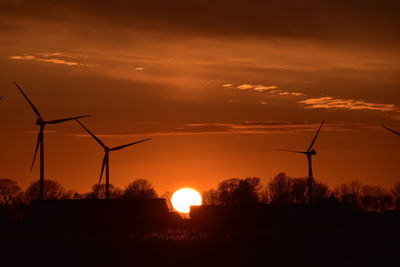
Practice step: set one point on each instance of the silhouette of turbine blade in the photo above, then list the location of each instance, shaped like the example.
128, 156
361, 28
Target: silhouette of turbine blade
103, 165
66, 119
39, 140
130, 144
30, 103
92, 134
391, 130
315, 137
294, 151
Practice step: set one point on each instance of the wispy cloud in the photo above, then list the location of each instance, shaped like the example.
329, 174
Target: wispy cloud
36, 132
290, 93
23, 57
246, 127
351, 104
216, 128
58, 61
55, 58
271, 89
260, 88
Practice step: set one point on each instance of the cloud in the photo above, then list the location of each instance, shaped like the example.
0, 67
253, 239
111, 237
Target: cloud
263, 88
48, 58
23, 57
55, 54
58, 61
253, 127
290, 93
351, 104
245, 86
47, 132
246, 127
297, 94
260, 88
271, 89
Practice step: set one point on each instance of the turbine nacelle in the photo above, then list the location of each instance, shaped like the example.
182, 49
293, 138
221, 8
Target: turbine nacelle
312, 152
40, 122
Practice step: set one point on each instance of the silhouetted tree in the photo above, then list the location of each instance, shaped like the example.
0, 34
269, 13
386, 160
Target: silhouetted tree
374, 198
321, 190
115, 192
349, 193
280, 189
226, 191
10, 192
249, 190
367, 198
286, 190
69, 194
210, 197
298, 190
139, 189
167, 196
264, 195
239, 191
396, 195
77, 195
53, 190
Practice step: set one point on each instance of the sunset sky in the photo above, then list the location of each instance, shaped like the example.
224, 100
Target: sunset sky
218, 85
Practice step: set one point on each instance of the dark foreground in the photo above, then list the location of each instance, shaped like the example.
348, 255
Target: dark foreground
295, 240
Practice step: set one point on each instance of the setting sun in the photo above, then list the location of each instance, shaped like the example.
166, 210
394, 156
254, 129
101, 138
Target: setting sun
184, 198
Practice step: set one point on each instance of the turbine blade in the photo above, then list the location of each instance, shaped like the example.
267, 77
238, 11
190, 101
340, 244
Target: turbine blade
66, 119
92, 134
103, 165
294, 151
391, 130
130, 144
315, 137
39, 140
30, 103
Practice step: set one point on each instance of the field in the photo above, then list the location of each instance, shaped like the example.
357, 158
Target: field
369, 242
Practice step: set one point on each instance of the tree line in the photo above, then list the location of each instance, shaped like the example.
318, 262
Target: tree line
281, 189
13, 200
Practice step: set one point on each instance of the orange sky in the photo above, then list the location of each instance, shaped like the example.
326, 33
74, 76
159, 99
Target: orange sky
218, 86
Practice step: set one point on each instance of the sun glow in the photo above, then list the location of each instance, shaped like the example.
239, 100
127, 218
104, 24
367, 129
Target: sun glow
184, 198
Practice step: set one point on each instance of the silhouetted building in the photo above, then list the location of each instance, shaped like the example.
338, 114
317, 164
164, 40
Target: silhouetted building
224, 217
87, 216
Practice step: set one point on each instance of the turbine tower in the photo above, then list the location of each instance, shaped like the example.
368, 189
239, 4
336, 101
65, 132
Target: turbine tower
391, 130
105, 164
309, 153
40, 140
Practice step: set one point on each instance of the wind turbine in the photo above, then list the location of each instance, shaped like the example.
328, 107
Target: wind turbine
40, 140
391, 130
309, 153
106, 158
